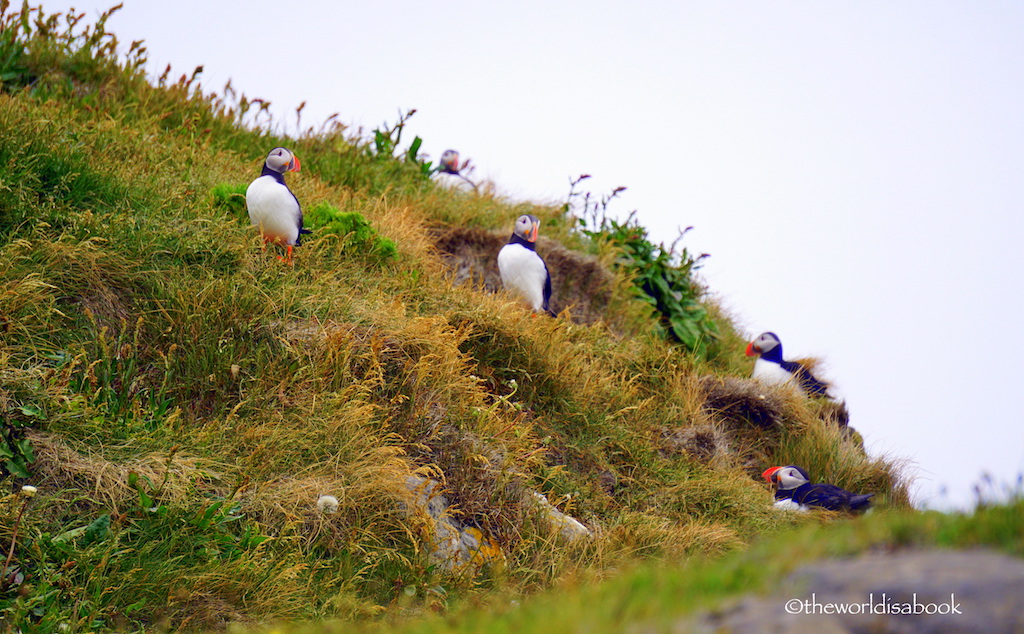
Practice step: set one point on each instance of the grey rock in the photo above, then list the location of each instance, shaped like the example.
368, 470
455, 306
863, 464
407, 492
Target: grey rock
913, 592
568, 527
451, 545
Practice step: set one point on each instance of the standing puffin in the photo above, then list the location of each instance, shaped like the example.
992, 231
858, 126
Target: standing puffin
449, 165
795, 491
272, 206
770, 367
522, 270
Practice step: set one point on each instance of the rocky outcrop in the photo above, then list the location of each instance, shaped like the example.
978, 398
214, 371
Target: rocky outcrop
915, 592
568, 527
452, 545
455, 546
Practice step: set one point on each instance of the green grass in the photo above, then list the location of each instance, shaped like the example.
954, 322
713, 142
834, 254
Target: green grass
186, 397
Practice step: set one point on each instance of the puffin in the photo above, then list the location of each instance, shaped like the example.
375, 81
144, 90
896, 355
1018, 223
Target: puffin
522, 270
272, 206
796, 492
450, 162
772, 369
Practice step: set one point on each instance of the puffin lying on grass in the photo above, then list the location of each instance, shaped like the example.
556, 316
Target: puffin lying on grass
770, 367
795, 492
272, 206
523, 271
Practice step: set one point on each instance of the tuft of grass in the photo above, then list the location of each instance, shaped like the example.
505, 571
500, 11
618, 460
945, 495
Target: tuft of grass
231, 199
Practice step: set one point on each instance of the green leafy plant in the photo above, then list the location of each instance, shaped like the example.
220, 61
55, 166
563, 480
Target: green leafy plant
209, 526
386, 141
663, 277
13, 71
357, 233
15, 449
66, 577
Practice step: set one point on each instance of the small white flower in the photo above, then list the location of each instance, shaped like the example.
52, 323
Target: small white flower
28, 490
327, 504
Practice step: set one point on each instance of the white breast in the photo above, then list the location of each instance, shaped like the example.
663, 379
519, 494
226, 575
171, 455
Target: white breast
523, 272
788, 504
273, 209
772, 374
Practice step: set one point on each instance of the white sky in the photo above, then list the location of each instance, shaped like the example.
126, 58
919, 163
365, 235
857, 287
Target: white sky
855, 169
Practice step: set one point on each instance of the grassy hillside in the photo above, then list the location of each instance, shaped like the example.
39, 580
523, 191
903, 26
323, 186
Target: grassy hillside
181, 398
654, 597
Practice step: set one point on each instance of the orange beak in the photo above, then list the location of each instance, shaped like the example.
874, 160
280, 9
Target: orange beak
532, 237
768, 473
751, 350
294, 165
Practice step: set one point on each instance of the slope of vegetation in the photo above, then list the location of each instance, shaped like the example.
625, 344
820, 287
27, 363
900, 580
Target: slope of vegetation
181, 399
655, 597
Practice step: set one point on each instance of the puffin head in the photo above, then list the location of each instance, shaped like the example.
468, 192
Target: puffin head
450, 162
788, 477
765, 342
282, 160
526, 227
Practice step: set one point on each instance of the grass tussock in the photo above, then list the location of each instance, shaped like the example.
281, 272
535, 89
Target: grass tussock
182, 399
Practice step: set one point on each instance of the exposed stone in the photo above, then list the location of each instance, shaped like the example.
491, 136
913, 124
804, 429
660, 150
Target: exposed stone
457, 547
951, 591
452, 545
569, 527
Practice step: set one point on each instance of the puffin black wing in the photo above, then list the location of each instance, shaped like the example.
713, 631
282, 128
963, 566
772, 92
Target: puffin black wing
805, 379
302, 230
831, 497
547, 292
860, 502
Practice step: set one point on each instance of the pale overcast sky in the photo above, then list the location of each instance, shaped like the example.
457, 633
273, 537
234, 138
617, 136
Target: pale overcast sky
855, 169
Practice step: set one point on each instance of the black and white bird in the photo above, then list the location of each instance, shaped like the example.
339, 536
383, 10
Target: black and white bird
450, 167
772, 369
523, 271
272, 206
795, 491
450, 162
